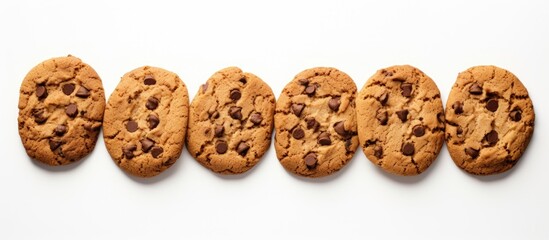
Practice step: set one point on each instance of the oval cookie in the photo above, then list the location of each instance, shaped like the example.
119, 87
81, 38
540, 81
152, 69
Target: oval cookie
146, 120
315, 122
231, 121
489, 120
400, 120
61, 104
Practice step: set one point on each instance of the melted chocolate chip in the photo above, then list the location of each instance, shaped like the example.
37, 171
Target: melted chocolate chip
324, 139
304, 81
402, 115
459, 130
383, 98
54, 144
235, 113
256, 118
243, 80
382, 118
149, 80
310, 90
38, 115
152, 103
491, 137
83, 92
156, 151
492, 105
131, 126
378, 151
334, 104
339, 128
440, 117
146, 144
310, 160
312, 124
60, 130
41, 92
153, 121
298, 133
406, 89
219, 131
68, 88
473, 153
235, 94
475, 89
297, 108
242, 148
418, 130
515, 115
408, 149
128, 151
221, 147
458, 107
71, 110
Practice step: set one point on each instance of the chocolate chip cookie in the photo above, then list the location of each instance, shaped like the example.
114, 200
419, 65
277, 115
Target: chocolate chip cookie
61, 105
231, 121
146, 120
489, 120
400, 120
315, 122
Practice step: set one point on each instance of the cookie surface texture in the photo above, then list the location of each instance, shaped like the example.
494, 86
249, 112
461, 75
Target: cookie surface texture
231, 121
489, 120
146, 121
400, 120
61, 104
315, 122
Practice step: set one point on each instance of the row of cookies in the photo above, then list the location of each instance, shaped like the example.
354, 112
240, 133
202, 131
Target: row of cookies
319, 119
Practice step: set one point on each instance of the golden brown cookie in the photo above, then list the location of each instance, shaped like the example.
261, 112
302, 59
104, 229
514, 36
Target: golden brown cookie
489, 120
146, 120
315, 122
61, 105
231, 121
400, 120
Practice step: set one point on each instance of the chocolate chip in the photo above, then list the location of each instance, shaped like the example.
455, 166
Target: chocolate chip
408, 149
204, 87
459, 130
473, 153
156, 151
128, 150
406, 89
440, 117
71, 110
243, 80
149, 80
418, 130
146, 144
215, 115
383, 98
131, 126
382, 118
304, 81
324, 139
219, 131
378, 151
310, 90
475, 89
152, 103
310, 160
298, 133
458, 107
38, 115
221, 147
297, 108
54, 144
153, 121
402, 115
242, 148
491, 137
348, 144
339, 127
68, 88
83, 92
492, 105
515, 115
41, 92
235, 94
60, 130
312, 124
334, 104
256, 118
235, 112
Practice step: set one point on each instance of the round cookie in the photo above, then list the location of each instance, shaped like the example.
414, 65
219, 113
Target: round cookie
400, 120
231, 121
315, 122
146, 120
61, 105
489, 120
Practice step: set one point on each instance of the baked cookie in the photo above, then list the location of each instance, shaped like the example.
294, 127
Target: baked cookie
315, 122
61, 104
400, 120
231, 121
489, 120
146, 120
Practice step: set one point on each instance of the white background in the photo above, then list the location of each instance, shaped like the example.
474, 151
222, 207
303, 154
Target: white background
275, 40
